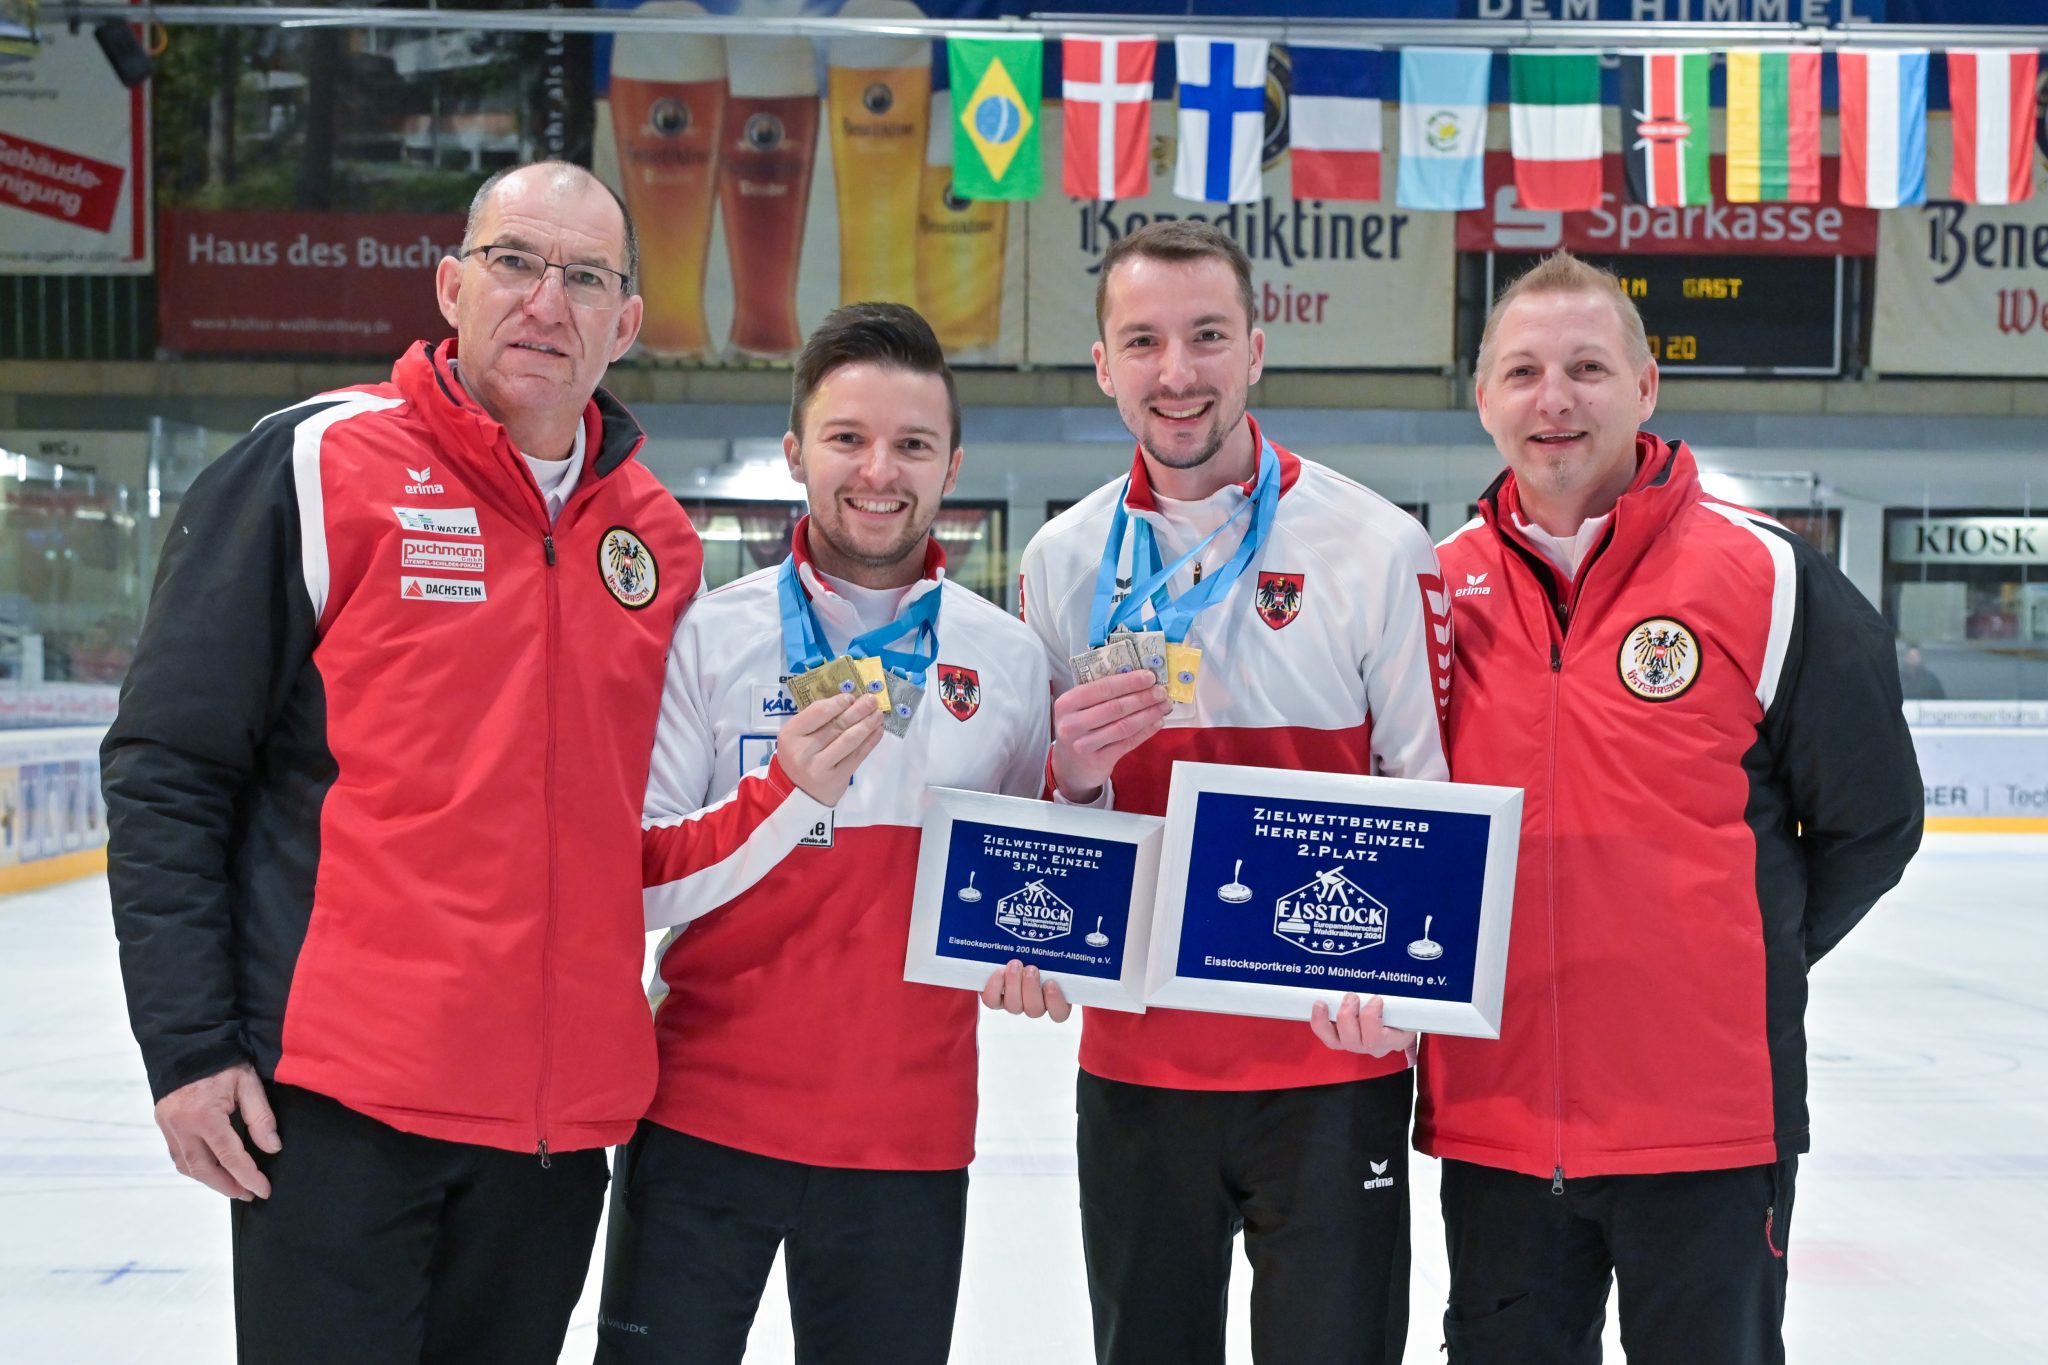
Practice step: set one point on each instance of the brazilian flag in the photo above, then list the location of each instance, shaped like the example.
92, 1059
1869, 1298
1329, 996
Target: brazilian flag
995, 117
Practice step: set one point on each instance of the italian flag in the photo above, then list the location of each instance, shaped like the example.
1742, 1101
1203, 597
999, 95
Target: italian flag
1773, 126
1554, 117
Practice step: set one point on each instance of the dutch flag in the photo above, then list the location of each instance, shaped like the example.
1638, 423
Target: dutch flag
1884, 127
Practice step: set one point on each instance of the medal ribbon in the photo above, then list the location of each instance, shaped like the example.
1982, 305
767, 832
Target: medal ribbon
805, 645
1150, 583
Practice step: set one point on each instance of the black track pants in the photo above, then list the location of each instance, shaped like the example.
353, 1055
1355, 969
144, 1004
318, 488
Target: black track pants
873, 1257
378, 1247
1316, 1178
1699, 1258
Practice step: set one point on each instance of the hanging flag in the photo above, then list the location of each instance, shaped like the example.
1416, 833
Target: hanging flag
1991, 113
1443, 128
1773, 126
1333, 122
1883, 99
1222, 118
1107, 86
1554, 129
1664, 126
995, 117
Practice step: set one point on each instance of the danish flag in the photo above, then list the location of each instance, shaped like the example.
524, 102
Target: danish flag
1107, 87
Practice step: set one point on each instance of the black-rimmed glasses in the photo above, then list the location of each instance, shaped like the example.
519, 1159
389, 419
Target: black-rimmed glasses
588, 286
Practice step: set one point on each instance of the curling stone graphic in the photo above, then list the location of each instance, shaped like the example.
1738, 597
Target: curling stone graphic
1237, 893
968, 893
1098, 939
1426, 949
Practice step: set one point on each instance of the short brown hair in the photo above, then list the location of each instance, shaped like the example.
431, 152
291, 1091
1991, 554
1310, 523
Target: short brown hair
890, 334
1563, 273
1177, 239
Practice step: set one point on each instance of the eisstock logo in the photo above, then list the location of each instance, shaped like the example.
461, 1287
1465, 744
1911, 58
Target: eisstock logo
1034, 914
1331, 916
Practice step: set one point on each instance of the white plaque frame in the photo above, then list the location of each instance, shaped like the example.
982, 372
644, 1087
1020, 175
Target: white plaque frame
1478, 1017
925, 959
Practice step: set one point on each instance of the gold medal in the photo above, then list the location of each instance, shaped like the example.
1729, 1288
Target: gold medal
874, 680
1183, 669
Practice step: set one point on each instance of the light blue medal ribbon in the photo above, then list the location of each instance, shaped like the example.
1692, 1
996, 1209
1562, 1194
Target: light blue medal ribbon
1150, 584
805, 645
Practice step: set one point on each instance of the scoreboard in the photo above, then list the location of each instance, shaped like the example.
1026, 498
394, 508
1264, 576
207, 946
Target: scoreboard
1724, 314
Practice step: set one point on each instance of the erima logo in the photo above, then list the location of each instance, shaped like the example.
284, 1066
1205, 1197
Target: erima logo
1475, 586
419, 482
1380, 1179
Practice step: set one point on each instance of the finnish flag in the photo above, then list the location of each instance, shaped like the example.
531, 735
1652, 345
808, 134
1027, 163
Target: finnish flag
1222, 119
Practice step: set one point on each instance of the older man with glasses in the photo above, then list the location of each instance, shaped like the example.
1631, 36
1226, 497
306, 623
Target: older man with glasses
374, 796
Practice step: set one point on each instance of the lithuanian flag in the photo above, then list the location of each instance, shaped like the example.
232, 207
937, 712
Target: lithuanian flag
1773, 126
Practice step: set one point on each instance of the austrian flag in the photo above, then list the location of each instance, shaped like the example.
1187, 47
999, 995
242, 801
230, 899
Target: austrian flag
1554, 115
1333, 118
1991, 103
1107, 87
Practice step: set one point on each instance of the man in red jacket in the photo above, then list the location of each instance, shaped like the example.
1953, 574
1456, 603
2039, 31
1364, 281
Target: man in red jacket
1704, 716
374, 797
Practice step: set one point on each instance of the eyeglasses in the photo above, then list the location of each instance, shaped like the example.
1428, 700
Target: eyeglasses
588, 286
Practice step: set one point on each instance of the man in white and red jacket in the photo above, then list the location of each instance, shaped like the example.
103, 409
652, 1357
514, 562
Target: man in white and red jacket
1318, 656
1704, 717
811, 1099
374, 792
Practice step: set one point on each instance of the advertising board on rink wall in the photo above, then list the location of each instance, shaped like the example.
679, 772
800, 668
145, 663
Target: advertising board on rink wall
74, 163
1962, 289
1325, 276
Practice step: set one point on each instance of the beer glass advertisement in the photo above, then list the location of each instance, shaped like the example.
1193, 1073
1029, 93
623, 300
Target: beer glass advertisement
1282, 888
775, 178
1065, 889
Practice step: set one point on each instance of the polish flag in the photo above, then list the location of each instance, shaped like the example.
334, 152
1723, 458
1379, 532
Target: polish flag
1991, 104
1108, 92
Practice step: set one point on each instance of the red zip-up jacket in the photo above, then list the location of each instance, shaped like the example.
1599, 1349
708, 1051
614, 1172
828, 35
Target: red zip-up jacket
374, 789
1718, 783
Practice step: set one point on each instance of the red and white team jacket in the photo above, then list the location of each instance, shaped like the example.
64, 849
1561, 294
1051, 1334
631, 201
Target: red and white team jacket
373, 784
1717, 784
1330, 654
785, 1025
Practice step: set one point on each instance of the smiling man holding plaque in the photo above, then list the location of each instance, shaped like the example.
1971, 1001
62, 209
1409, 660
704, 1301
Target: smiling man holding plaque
1231, 602
1704, 716
802, 722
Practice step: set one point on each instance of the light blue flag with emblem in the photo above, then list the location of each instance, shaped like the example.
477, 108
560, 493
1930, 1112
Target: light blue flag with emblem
1443, 128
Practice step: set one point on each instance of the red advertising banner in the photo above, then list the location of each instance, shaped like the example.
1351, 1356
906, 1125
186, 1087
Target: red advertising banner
1828, 228
66, 186
300, 282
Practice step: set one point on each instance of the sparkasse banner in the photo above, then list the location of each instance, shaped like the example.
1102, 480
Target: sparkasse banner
1828, 228
1962, 288
74, 163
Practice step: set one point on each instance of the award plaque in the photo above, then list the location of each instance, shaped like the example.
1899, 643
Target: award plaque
1066, 889
1281, 888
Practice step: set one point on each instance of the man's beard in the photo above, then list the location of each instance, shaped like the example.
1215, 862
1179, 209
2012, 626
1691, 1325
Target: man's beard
912, 543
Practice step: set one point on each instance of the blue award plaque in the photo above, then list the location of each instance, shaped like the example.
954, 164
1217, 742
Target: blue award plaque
1066, 889
1280, 888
